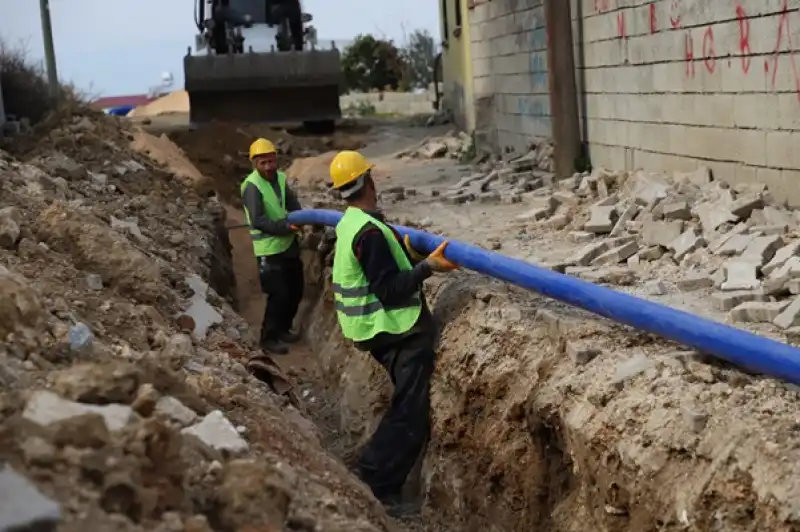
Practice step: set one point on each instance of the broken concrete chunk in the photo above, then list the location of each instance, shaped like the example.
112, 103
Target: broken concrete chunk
602, 219
23, 507
581, 237
647, 189
712, 215
655, 288
217, 433
695, 281
622, 223
769, 229
745, 205
661, 233
758, 311
651, 253
632, 367
617, 254
589, 253
790, 317
10, 220
740, 275
581, 351
678, 210
763, 248
175, 410
45, 408
699, 178
695, 420
781, 257
726, 301
734, 245
686, 243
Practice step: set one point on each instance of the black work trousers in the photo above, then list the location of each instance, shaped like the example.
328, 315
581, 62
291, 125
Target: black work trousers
282, 281
390, 454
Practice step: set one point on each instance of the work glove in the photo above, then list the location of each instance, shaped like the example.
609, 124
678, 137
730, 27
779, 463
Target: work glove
411, 251
437, 262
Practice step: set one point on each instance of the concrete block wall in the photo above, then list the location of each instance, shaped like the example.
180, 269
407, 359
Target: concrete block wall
671, 84
509, 72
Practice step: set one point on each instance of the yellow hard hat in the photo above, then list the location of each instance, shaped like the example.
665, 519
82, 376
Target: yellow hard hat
261, 147
348, 166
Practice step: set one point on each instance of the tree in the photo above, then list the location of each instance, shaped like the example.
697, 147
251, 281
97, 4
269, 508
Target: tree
371, 63
419, 55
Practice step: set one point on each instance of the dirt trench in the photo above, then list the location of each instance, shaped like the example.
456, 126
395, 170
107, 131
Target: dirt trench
528, 437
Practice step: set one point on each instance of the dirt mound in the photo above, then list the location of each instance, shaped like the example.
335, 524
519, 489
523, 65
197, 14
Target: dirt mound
117, 412
220, 151
167, 153
174, 102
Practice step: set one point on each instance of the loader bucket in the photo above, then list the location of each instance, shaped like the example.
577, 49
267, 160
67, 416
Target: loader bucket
270, 87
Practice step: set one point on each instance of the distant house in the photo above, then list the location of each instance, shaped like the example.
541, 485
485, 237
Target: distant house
120, 104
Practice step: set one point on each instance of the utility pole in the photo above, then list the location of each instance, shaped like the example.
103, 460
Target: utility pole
563, 89
49, 49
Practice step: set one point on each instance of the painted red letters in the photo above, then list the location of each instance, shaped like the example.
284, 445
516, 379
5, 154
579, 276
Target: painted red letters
689, 54
783, 26
709, 55
744, 38
653, 24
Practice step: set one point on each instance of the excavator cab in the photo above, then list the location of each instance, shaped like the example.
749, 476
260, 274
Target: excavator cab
258, 61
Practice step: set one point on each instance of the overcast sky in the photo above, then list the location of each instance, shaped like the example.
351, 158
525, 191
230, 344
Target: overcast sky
115, 47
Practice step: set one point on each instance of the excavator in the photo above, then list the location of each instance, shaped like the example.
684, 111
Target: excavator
258, 61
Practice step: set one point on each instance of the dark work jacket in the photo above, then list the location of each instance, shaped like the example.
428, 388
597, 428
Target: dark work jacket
258, 217
389, 284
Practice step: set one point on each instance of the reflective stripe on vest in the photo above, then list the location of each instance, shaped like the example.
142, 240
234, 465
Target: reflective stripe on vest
275, 209
360, 313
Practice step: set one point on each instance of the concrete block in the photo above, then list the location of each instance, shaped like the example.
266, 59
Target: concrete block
563, 197
726, 301
657, 233
217, 433
655, 288
695, 281
585, 256
793, 286
735, 245
23, 507
740, 275
678, 210
651, 253
781, 256
720, 240
695, 420
745, 205
686, 243
763, 248
758, 311
769, 230
175, 410
627, 215
45, 408
790, 317
581, 351
700, 177
602, 219
617, 254
581, 237
712, 215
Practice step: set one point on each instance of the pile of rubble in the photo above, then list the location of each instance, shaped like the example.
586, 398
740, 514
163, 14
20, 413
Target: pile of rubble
124, 399
737, 241
455, 144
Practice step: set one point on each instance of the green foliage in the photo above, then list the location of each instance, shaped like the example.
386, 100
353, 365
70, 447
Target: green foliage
361, 108
371, 63
419, 55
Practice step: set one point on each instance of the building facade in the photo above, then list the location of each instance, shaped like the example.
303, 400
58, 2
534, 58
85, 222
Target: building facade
457, 87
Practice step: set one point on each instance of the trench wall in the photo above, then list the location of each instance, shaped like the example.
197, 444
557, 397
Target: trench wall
664, 84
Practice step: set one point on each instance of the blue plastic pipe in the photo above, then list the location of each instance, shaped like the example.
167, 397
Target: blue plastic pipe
736, 346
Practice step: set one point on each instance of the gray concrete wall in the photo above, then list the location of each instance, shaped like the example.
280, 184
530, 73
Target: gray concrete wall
401, 103
667, 84
671, 83
509, 62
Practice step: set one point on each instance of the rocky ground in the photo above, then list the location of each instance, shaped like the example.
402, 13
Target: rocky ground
126, 403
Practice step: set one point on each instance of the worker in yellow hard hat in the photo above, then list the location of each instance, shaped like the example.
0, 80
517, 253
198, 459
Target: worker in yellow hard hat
267, 201
377, 285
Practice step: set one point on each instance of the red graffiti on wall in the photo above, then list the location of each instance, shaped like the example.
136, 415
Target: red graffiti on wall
621, 33
744, 38
674, 17
688, 44
784, 27
709, 55
653, 22
602, 6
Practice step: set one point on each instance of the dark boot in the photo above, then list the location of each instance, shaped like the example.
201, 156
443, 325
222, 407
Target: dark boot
274, 347
289, 337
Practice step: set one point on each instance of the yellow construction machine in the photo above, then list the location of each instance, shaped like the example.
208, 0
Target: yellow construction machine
258, 61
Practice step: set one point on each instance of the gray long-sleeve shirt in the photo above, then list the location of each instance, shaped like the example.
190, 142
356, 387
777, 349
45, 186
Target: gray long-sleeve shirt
254, 204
